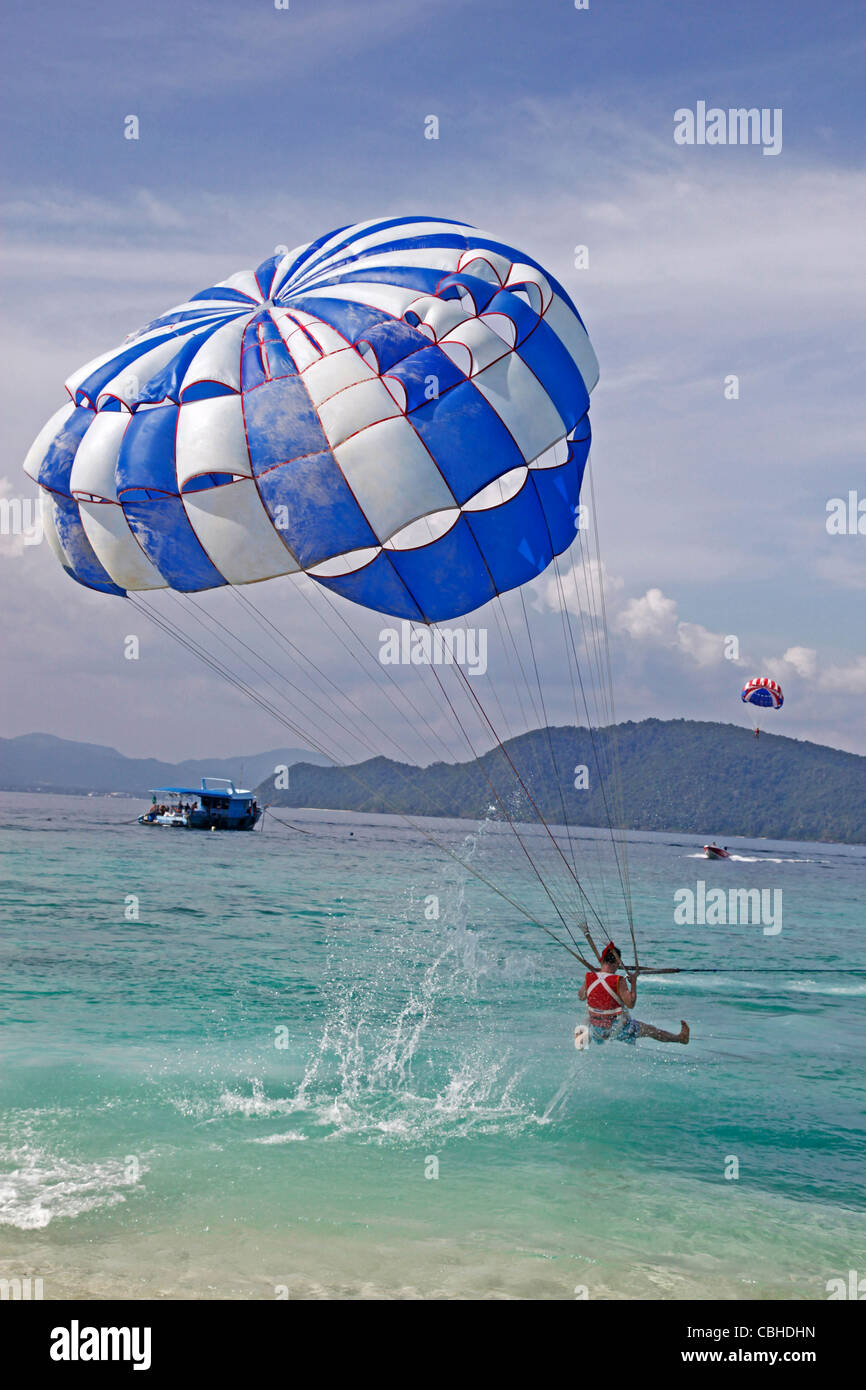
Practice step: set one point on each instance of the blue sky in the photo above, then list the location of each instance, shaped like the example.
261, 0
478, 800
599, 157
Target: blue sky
260, 126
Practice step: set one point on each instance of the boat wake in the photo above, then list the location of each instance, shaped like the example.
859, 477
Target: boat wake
735, 858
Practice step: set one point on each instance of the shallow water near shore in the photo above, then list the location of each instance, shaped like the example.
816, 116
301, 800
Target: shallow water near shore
334, 1064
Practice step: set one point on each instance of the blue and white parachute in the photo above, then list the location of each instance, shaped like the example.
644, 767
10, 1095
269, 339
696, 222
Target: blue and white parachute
398, 409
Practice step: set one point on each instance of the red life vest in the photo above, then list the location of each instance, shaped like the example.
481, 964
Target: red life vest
602, 1000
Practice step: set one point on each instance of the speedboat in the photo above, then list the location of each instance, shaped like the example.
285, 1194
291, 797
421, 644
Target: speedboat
716, 852
171, 817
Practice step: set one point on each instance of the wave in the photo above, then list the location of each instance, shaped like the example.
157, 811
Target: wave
43, 1187
819, 987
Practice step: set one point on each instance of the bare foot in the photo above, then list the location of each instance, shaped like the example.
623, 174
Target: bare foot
684, 1032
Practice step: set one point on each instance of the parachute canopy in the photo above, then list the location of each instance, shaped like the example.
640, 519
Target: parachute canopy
398, 409
764, 692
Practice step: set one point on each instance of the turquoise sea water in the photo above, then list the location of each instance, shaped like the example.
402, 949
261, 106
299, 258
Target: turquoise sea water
246, 1091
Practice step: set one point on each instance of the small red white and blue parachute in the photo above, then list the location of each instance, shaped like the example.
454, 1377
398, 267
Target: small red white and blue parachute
763, 692
398, 409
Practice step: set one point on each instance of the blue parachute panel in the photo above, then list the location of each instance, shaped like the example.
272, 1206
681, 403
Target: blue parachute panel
558, 492
344, 315
392, 340
162, 528
376, 586
166, 384
447, 578
429, 369
59, 457
281, 424
513, 538
82, 563
146, 461
319, 506
467, 439
265, 355
482, 291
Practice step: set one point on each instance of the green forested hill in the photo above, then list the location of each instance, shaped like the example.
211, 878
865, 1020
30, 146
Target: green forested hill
682, 775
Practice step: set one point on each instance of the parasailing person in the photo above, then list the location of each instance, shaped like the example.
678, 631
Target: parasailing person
763, 693
609, 997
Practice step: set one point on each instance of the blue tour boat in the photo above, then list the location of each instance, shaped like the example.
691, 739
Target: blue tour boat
216, 805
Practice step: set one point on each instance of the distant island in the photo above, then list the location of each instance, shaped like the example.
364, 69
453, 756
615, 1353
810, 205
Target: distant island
44, 763
705, 779
681, 775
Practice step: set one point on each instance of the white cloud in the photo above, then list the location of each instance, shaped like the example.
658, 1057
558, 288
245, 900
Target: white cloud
804, 661
580, 588
652, 618
846, 679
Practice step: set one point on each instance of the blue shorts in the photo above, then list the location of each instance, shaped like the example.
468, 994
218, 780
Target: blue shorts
626, 1031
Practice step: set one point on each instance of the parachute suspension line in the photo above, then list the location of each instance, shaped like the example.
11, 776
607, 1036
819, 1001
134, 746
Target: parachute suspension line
610, 686
506, 637
584, 926
574, 672
490, 726
593, 631
553, 764
390, 741
353, 652
540, 717
748, 970
321, 745
231, 640
478, 761
503, 715
542, 722
193, 648
574, 675
569, 631
598, 635
599, 679
226, 673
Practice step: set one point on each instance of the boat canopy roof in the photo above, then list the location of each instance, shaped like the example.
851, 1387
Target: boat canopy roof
227, 789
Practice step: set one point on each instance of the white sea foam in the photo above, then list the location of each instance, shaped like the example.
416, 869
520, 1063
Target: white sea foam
292, 1136
819, 987
43, 1187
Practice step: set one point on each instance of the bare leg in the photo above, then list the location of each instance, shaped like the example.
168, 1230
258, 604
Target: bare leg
647, 1030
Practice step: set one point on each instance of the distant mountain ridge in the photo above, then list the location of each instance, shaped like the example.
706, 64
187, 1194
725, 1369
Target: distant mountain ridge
43, 762
713, 780
707, 779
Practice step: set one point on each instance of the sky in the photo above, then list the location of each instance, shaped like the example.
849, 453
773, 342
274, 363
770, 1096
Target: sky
261, 126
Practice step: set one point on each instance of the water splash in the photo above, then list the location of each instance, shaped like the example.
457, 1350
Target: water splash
385, 1066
